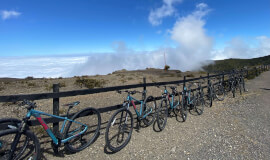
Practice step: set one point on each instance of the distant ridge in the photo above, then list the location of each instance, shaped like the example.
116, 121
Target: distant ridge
234, 63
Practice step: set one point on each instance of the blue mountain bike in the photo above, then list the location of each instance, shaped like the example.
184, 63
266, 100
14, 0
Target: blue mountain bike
18, 142
119, 129
170, 102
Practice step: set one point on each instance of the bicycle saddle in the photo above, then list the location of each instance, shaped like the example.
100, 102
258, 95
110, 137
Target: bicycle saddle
72, 104
173, 87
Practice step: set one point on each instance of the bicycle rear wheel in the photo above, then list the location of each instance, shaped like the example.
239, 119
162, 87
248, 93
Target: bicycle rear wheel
22, 150
89, 117
209, 97
150, 104
162, 114
219, 92
199, 103
119, 130
181, 111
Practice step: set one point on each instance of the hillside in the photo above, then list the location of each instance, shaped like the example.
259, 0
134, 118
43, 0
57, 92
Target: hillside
229, 64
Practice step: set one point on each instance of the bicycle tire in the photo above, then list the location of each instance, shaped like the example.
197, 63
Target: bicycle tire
31, 151
199, 103
233, 89
209, 97
112, 126
178, 110
219, 92
162, 114
150, 118
91, 118
9, 123
240, 87
184, 108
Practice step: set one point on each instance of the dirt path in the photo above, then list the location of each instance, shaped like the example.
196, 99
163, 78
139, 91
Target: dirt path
236, 128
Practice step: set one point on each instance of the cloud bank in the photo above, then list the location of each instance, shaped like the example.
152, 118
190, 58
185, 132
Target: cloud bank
18, 67
9, 14
238, 48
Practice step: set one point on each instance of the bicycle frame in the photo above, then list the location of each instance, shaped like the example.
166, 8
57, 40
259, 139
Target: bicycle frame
139, 113
189, 101
37, 114
170, 100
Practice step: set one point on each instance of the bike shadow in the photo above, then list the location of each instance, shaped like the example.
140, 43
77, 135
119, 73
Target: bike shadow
267, 89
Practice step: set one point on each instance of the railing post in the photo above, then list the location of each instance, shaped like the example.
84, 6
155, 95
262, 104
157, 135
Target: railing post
208, 79
56, 108
144, 88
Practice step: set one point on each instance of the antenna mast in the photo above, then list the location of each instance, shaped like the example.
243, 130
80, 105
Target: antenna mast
164, 59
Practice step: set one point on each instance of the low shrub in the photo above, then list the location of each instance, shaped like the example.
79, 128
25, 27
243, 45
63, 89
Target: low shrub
89, 83
166, 67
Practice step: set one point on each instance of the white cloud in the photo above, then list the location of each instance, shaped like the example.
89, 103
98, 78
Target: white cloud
9, 14
156, 15
192, 50
238, 48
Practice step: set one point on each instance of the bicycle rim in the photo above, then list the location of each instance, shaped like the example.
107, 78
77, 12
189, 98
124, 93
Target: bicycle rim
89, 117
150, 106
162, 114
23, 150
119, 130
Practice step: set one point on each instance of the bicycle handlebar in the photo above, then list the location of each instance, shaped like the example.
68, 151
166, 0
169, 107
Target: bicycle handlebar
129, 92
30, 104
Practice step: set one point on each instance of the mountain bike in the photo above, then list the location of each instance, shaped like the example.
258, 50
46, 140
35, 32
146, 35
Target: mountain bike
215, 91
188, 101
199, 97
170, 102
119, 128
76, 134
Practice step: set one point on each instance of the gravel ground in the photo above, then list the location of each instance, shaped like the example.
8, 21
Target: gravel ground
236, 128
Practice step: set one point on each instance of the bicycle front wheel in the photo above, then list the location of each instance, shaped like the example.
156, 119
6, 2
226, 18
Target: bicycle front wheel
89, 117
119, 130
150, 107
162, 114
22, 150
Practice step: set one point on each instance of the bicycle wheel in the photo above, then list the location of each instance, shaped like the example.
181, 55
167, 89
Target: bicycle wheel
240, 86
162, 114
219, 92
9, 123
150, 107
89, 117
180, 110
177, 106
8, 137
119, 130
233, 89
209, 97
199, 103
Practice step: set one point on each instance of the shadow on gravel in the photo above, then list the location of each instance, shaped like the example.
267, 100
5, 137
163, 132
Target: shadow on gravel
267, 89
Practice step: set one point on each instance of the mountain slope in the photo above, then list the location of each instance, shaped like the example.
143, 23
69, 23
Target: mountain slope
229, 64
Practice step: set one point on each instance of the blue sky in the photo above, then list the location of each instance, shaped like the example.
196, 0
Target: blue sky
93, 27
